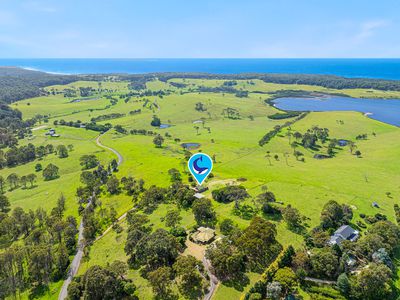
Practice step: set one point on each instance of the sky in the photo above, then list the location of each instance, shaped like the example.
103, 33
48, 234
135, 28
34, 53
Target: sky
199, 29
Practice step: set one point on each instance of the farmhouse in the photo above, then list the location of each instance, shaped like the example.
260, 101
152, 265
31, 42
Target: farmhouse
198, 195
203, 235
200, 189
52, 132
344, 232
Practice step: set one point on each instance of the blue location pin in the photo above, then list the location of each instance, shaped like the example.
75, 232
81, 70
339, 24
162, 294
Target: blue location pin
200, 165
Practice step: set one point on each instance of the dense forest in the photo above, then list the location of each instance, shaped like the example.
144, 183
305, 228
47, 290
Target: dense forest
17, 84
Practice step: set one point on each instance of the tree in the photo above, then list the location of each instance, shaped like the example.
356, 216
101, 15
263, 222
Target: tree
4, 203
31, 178
60, 205
161, 282
119, 268
274, 290
324, 263
62, 151
175, 175
230, 193
388, 231
343, 284
258, 243
158, 141
172, 218
74, 291
268, 156
13, 180
50, 172
287, 257
2, 184
61, 261
113, 185
190, 281
40, 264
203, 211
199, 106
292, 217
23, 180
38, 167
156, 122
227, 226
88, 161
226, 260
334, 215
287, 279
158, 249
352, 146
101, 283
373, 283
151, 198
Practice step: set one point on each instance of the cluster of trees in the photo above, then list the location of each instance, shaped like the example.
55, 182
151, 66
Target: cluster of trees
199, 106
158, 255
371, 255
107, 117
88, 126
24, 154
41, 255
310, 138
232, 193
284, 115
102, 283
17, 84
14, 181
142, 132
253, 248
269, 135
136, 111
231, 113
329, 81
86, 91
156, 122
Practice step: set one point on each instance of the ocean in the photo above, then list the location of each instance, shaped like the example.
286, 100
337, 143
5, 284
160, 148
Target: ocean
363, 68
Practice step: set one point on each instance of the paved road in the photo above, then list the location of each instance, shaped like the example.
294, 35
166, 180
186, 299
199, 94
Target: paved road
321, 281
213, 280
74, 267
81, 242
120, 158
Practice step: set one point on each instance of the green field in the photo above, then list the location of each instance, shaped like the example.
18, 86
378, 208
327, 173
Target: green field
305, 185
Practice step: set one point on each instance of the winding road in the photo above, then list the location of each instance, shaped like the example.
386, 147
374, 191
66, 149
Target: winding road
76, 262
213, 280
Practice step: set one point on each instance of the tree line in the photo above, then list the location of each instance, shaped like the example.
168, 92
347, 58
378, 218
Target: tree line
41, 255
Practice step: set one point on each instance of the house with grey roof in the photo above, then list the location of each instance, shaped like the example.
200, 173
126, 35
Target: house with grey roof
344, 232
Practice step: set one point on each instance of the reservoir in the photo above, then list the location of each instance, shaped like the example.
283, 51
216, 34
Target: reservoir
385, 110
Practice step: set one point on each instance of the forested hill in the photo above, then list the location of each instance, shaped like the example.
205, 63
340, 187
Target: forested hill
328, 81
17, 83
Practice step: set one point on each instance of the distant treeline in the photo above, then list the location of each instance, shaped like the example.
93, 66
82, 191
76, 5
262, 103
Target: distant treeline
17, 84
107, 117
328, 81
284, 115
88, 126
270, 134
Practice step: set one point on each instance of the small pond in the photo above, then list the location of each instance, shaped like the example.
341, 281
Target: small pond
190, 146
163, 126
385, 110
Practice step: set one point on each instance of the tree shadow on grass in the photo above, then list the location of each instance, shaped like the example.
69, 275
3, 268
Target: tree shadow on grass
238, 283
38, 291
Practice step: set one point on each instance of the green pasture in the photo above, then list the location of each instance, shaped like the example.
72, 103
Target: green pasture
305, 185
